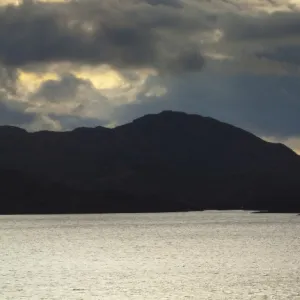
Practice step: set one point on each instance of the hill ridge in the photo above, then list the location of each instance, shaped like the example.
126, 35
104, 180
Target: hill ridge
159, 162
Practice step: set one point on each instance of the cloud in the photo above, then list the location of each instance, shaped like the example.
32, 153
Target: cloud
8, 78
59, 104
94, 97
43, 122
272, 39
13, 113
265, 26
9, 116
66, 88
124, 34
170, 36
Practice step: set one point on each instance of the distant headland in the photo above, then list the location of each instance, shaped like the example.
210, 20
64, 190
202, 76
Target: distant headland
171, 161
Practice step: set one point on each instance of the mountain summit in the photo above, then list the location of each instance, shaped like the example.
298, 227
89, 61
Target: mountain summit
171, 161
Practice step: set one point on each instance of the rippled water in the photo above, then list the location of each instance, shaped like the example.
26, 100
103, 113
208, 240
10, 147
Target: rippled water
205, 255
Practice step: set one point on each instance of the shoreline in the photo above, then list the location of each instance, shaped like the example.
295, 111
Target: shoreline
148, 212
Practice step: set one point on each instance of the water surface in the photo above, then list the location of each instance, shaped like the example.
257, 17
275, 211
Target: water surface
205, 255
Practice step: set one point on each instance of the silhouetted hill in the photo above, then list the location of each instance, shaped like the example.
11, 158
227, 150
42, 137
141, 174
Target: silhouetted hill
165, 162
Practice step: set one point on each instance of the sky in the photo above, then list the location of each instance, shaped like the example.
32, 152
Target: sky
65, 64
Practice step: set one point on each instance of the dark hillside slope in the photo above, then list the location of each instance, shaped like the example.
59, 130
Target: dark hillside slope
164, 162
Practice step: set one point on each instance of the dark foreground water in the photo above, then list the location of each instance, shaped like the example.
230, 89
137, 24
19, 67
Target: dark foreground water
205, 255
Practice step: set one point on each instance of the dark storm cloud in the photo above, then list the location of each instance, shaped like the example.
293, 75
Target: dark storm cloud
276, 26
274, 37
152, 33
167, 35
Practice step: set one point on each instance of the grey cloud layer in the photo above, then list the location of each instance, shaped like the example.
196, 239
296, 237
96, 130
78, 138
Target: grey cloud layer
152, 33
276, 26
167, 35
274, 37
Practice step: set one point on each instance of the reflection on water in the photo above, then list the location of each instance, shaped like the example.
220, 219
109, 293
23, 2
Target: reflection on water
205, 255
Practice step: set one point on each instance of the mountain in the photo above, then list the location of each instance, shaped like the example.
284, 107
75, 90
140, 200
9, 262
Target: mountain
170, 161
